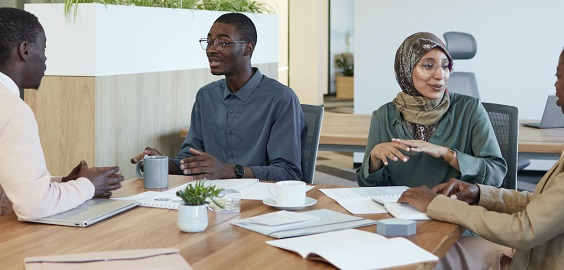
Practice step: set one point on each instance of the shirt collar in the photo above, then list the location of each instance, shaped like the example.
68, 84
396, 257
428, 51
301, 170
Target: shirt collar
9, 83
245, 92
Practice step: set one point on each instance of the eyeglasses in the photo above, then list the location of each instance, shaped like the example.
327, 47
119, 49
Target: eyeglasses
431, 68
218, 45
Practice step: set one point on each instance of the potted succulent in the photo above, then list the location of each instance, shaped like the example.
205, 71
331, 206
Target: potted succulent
345, 82
193, 213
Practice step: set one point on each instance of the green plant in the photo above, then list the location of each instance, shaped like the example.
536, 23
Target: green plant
250, 6
345, 63
196, 194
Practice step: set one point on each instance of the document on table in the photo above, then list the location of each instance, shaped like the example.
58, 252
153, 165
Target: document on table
361, 200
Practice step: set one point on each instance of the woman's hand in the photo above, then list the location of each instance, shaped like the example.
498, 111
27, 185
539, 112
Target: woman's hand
383, 152
424, 147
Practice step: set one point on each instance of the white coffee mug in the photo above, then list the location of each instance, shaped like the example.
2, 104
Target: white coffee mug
289, 193
155, 171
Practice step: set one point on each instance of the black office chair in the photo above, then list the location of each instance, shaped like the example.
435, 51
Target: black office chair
313, 117
462, 46
505, 122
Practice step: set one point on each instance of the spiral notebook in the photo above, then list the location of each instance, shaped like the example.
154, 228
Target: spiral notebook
169, 200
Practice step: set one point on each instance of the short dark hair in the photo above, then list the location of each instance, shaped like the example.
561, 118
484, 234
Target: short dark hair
16, 26
242, 23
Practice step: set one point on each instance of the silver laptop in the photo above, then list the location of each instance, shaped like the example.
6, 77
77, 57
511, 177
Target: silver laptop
552, 116
88, 213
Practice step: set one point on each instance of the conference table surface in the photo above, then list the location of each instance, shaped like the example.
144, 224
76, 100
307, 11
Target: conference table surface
220, 246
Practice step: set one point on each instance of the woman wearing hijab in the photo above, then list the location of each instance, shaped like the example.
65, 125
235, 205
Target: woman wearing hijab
530, 223
427, 134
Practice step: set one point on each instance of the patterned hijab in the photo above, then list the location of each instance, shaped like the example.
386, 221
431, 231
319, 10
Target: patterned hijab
421, 114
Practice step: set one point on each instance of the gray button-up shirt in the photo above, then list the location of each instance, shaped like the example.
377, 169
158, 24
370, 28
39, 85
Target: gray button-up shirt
260, 126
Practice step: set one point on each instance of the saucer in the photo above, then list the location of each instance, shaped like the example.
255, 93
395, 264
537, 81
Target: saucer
271, 202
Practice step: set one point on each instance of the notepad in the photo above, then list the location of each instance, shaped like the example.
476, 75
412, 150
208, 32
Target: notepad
405, 211
279, 220
355, 249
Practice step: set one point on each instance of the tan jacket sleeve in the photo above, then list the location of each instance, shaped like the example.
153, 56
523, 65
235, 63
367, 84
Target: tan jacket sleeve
511, 218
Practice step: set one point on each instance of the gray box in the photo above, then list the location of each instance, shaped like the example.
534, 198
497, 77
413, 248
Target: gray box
395, 227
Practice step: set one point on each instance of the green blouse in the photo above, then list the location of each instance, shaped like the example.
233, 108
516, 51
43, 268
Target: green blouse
465, 128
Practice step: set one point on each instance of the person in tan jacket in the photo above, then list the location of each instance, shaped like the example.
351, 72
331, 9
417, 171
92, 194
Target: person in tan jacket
530, 224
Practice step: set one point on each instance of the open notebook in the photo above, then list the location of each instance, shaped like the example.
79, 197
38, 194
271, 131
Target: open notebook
355, 249
88, 213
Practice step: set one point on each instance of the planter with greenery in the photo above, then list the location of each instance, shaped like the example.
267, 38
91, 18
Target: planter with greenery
102, 38
345, 83
250, 6
193, 214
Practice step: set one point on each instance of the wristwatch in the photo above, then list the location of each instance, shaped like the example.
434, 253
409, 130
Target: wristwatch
239, 171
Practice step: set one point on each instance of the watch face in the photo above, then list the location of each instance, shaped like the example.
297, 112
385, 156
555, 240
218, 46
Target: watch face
239, 171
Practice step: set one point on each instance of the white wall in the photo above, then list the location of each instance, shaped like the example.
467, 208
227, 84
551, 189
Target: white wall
308, 49
518, 46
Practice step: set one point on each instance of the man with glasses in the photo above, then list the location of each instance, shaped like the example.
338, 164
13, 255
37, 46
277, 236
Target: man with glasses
245, 125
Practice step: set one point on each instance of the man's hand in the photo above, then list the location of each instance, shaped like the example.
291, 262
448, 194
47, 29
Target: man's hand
459, 190
147, 152
418, 197
104, 179
203, 165
74, 174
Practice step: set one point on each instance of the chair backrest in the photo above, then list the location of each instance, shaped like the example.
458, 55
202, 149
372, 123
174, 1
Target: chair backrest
462, 46
463, 83
505, 122
313, 116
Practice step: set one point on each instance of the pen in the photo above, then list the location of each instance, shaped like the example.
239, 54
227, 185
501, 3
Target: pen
192, 174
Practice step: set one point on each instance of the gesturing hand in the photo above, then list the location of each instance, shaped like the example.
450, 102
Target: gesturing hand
203, 165
388, 150
460, 190
423, 147
104, 179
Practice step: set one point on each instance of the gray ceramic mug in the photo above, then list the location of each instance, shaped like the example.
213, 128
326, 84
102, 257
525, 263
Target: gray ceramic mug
155, 171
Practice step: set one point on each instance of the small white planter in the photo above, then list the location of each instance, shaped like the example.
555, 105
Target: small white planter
192, 218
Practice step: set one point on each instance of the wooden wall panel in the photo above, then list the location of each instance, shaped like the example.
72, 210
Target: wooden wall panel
139, 110
64, 108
